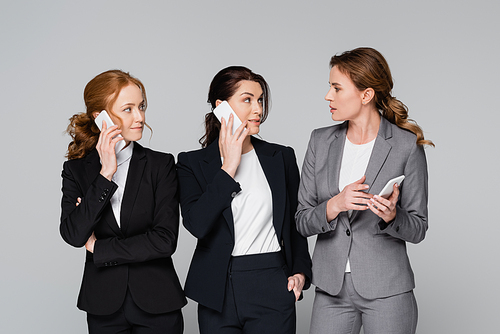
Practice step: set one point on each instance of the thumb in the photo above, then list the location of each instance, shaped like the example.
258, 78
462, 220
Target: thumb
361, 180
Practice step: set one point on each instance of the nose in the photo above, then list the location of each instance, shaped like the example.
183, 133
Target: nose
257, 108
138, 116
329, 95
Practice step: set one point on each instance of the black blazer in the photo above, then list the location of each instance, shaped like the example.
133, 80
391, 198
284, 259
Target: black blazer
206, 193
137, 255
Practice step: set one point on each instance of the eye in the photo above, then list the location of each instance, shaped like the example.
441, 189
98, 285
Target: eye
260, 100
127, 110
247, 99
142, 107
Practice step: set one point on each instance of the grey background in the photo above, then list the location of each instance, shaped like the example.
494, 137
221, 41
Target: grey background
444, 59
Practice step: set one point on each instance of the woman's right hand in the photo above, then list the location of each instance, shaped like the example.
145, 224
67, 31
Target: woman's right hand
231, 145
349, 198
106, 149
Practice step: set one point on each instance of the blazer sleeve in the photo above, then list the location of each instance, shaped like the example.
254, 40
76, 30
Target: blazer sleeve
160, 239
78, 222
301, 258
410, 223
202, 206
311, 212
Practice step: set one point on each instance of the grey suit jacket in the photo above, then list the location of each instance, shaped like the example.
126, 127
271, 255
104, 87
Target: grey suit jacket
376, 250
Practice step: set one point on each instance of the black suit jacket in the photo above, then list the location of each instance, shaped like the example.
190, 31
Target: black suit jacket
206, 193
137, 255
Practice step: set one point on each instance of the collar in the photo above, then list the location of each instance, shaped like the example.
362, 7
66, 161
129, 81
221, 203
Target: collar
125, 154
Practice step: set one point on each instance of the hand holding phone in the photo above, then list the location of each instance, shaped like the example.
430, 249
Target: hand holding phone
224, 110
103, 116
387, 191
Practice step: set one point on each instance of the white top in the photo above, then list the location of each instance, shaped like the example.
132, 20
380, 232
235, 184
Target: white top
120, 178
354, 162
252, 210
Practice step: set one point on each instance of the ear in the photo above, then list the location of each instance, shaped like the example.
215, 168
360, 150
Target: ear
367, 95
95, 114
217, 103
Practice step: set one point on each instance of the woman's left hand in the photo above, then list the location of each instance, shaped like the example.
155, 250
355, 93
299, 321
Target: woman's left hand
296, 283
90, 243
385, 208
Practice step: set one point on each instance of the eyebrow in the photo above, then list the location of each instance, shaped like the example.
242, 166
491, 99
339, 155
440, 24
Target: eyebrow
334, 84
247, 93
131, 104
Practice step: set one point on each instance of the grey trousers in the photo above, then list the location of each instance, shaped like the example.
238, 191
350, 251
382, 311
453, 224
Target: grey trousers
346, 312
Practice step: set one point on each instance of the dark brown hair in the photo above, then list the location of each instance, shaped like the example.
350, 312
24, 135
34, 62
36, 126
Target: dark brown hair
223, 86
367, 68
99, 94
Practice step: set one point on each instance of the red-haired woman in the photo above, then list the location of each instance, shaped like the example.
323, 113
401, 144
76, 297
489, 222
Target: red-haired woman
123, 207
360, 265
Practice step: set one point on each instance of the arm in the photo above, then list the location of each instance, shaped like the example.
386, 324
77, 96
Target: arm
311, 213
201, 206
410, 218
159, 240
78, 222
302, 267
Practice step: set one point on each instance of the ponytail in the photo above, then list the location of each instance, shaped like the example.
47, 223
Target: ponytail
396, 112
84, 134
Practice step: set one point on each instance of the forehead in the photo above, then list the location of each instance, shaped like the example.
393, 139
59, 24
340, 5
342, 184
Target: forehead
336, 76
129, 93
247, 86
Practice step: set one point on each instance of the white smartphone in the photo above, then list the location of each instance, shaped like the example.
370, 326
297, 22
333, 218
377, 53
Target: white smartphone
103, 116
224, 110
387, 191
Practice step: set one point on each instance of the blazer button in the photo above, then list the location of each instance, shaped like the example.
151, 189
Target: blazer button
322, 228
233, 194
348, 232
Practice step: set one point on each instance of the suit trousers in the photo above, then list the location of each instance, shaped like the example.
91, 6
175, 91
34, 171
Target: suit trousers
130, 319
346, 312
256, 299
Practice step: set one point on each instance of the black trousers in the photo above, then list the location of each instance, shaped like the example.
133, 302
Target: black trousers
131, 319
256, 300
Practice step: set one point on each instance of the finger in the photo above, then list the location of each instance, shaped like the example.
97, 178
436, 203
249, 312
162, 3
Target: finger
395, 192
243, 134
222, 129
291, 283
230, 125
297, 294
361, 180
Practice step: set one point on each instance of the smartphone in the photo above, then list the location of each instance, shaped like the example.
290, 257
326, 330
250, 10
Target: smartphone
103, 116
387, 191
224, 110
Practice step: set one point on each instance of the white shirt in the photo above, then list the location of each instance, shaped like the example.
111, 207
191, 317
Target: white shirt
252, 210
354, 162
120, 178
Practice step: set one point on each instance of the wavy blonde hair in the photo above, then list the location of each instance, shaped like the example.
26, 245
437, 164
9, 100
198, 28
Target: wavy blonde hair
367, 68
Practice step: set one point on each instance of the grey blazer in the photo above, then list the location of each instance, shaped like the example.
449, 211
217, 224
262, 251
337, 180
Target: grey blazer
376, 250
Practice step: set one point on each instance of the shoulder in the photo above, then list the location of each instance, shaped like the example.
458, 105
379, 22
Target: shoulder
81, 162
260, 144
327, 133
155, 159
405, 139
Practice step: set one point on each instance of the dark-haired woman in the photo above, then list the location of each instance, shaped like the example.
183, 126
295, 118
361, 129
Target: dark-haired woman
238, 197
361, 268
123, 207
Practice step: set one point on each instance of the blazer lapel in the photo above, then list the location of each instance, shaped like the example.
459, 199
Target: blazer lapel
134, 177
381, 149
335, 159
273, 166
